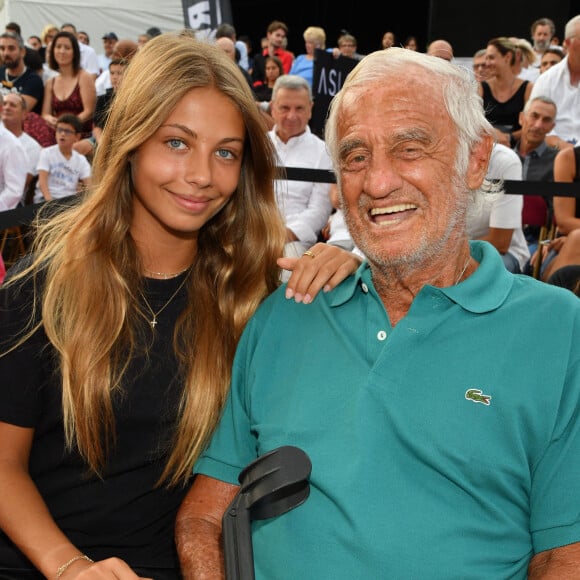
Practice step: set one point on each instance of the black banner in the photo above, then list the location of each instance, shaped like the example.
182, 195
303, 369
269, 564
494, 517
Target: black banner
328, 78
204, 16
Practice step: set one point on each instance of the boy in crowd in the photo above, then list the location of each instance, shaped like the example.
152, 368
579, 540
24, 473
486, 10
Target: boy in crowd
116, 71
60, 167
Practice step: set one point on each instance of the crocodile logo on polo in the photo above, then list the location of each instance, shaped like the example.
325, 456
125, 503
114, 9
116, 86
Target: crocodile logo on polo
477, 396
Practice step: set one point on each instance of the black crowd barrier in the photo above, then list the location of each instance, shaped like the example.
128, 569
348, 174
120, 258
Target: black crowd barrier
543, 188
24, 215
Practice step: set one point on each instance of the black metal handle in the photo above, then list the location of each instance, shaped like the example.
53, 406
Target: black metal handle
271, 485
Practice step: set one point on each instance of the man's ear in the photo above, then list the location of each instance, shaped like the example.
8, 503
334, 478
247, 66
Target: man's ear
478, 162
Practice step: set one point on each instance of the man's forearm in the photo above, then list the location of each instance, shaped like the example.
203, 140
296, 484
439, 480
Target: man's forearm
199, 548
558, 564
198, 528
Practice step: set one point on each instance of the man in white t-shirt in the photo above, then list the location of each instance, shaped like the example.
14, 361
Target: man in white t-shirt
561, 83
495, 216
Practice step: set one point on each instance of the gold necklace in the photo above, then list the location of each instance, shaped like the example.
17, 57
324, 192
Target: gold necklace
10, 83
165, 275
153, 321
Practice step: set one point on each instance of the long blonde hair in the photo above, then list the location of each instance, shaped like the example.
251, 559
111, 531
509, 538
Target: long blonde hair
91, 270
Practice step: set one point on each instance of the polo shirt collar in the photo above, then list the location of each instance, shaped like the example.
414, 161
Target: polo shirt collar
485, 290
346, 289
488, 287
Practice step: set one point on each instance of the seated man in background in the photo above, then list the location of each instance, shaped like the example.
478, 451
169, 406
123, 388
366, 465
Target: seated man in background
537, 158
550, 57
496, 216
438, 451
305, 205
16, 76
13, 169
13, 117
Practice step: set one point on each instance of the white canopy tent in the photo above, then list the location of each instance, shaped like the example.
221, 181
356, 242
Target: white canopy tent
126, 18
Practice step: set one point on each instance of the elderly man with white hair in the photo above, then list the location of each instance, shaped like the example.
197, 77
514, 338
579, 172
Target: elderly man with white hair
438, 451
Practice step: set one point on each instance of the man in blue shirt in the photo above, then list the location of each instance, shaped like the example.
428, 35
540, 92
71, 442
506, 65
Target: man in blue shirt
439, 450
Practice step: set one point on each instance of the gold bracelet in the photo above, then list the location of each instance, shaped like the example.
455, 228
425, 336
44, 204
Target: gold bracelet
66, 565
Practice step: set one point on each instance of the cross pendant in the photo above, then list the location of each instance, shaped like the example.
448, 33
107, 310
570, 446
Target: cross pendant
153, 322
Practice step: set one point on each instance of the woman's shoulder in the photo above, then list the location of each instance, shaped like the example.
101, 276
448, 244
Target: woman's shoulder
484, 88
568, 154
302, 60
565, 164
521, 88
85, 77
522, 84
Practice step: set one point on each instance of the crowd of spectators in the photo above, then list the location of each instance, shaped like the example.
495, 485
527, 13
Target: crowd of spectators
150, 351
58, 72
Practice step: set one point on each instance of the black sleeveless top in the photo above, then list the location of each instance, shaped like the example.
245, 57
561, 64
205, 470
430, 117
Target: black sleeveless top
504, 116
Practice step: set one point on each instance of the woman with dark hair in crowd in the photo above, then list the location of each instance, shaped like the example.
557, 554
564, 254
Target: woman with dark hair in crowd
72, 90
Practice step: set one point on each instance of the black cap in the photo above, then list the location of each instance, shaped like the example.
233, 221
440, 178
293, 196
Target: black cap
110, 36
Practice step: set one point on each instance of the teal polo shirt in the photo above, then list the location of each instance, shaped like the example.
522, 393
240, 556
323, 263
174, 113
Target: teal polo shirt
446, 447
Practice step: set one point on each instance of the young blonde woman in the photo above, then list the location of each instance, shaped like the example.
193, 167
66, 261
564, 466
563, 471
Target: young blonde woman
117, 334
